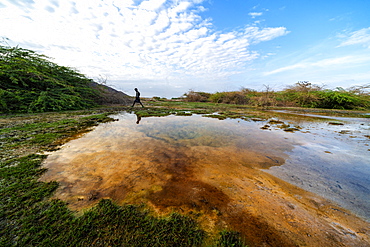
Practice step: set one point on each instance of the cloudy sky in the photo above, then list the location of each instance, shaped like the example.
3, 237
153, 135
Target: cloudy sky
167, 47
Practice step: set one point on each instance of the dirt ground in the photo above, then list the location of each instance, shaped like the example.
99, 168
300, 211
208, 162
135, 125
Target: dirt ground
219, 186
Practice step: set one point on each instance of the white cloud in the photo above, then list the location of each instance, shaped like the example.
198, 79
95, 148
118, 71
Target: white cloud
127, 40
152, 5
360, 37
257, 35
255, 14
324, 63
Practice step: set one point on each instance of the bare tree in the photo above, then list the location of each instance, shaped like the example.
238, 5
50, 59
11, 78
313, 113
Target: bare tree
305, 86
267, 98
360, 90
102, 79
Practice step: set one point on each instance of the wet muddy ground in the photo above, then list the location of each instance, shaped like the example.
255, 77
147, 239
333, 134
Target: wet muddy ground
294, 181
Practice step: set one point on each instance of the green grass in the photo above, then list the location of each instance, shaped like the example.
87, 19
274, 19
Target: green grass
153, 112
230, 238
41, 133
29, 217
106, 224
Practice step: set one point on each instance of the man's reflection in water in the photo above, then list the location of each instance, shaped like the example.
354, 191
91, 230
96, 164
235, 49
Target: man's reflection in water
138, 119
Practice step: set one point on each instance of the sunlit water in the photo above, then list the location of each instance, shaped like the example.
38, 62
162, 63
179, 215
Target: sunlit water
332, 161
127, 157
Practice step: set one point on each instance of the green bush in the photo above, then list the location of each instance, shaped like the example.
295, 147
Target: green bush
29, 82
299, 98
338, 100
304, 94
217, 97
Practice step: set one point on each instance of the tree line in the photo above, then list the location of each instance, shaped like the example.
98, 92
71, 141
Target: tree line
301, 94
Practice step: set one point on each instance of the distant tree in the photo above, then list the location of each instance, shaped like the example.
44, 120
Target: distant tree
304, 86
102, 79
302, 93
266, 97
360, 90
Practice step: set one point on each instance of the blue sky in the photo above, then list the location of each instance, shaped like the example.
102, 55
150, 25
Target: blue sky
166, 48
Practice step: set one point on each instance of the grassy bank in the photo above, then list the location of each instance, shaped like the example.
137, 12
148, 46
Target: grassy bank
29, 217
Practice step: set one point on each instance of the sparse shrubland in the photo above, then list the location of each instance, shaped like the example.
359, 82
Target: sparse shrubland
301, 94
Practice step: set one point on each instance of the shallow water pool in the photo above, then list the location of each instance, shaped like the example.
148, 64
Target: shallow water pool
166, 161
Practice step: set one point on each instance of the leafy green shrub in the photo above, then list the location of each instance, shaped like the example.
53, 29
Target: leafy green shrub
338, 100
218, 97
302, 93
305, 94
299, 98
9, 101
29, 82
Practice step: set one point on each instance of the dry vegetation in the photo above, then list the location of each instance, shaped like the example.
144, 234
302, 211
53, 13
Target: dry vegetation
301, 94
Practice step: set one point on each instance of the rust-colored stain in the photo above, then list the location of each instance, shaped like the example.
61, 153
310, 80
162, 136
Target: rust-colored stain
211, 173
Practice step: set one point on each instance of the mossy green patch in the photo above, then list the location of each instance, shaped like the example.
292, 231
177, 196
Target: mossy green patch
183, 113
41, 133
218, 116
153, 112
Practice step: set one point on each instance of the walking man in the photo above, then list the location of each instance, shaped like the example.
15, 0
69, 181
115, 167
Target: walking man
137, 98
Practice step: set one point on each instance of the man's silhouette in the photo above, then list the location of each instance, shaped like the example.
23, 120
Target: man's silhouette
137, 98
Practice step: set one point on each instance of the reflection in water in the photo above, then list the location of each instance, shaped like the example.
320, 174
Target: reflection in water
138, 118
117, 154
212, 166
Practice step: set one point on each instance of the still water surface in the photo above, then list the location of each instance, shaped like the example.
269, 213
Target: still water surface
127, 160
